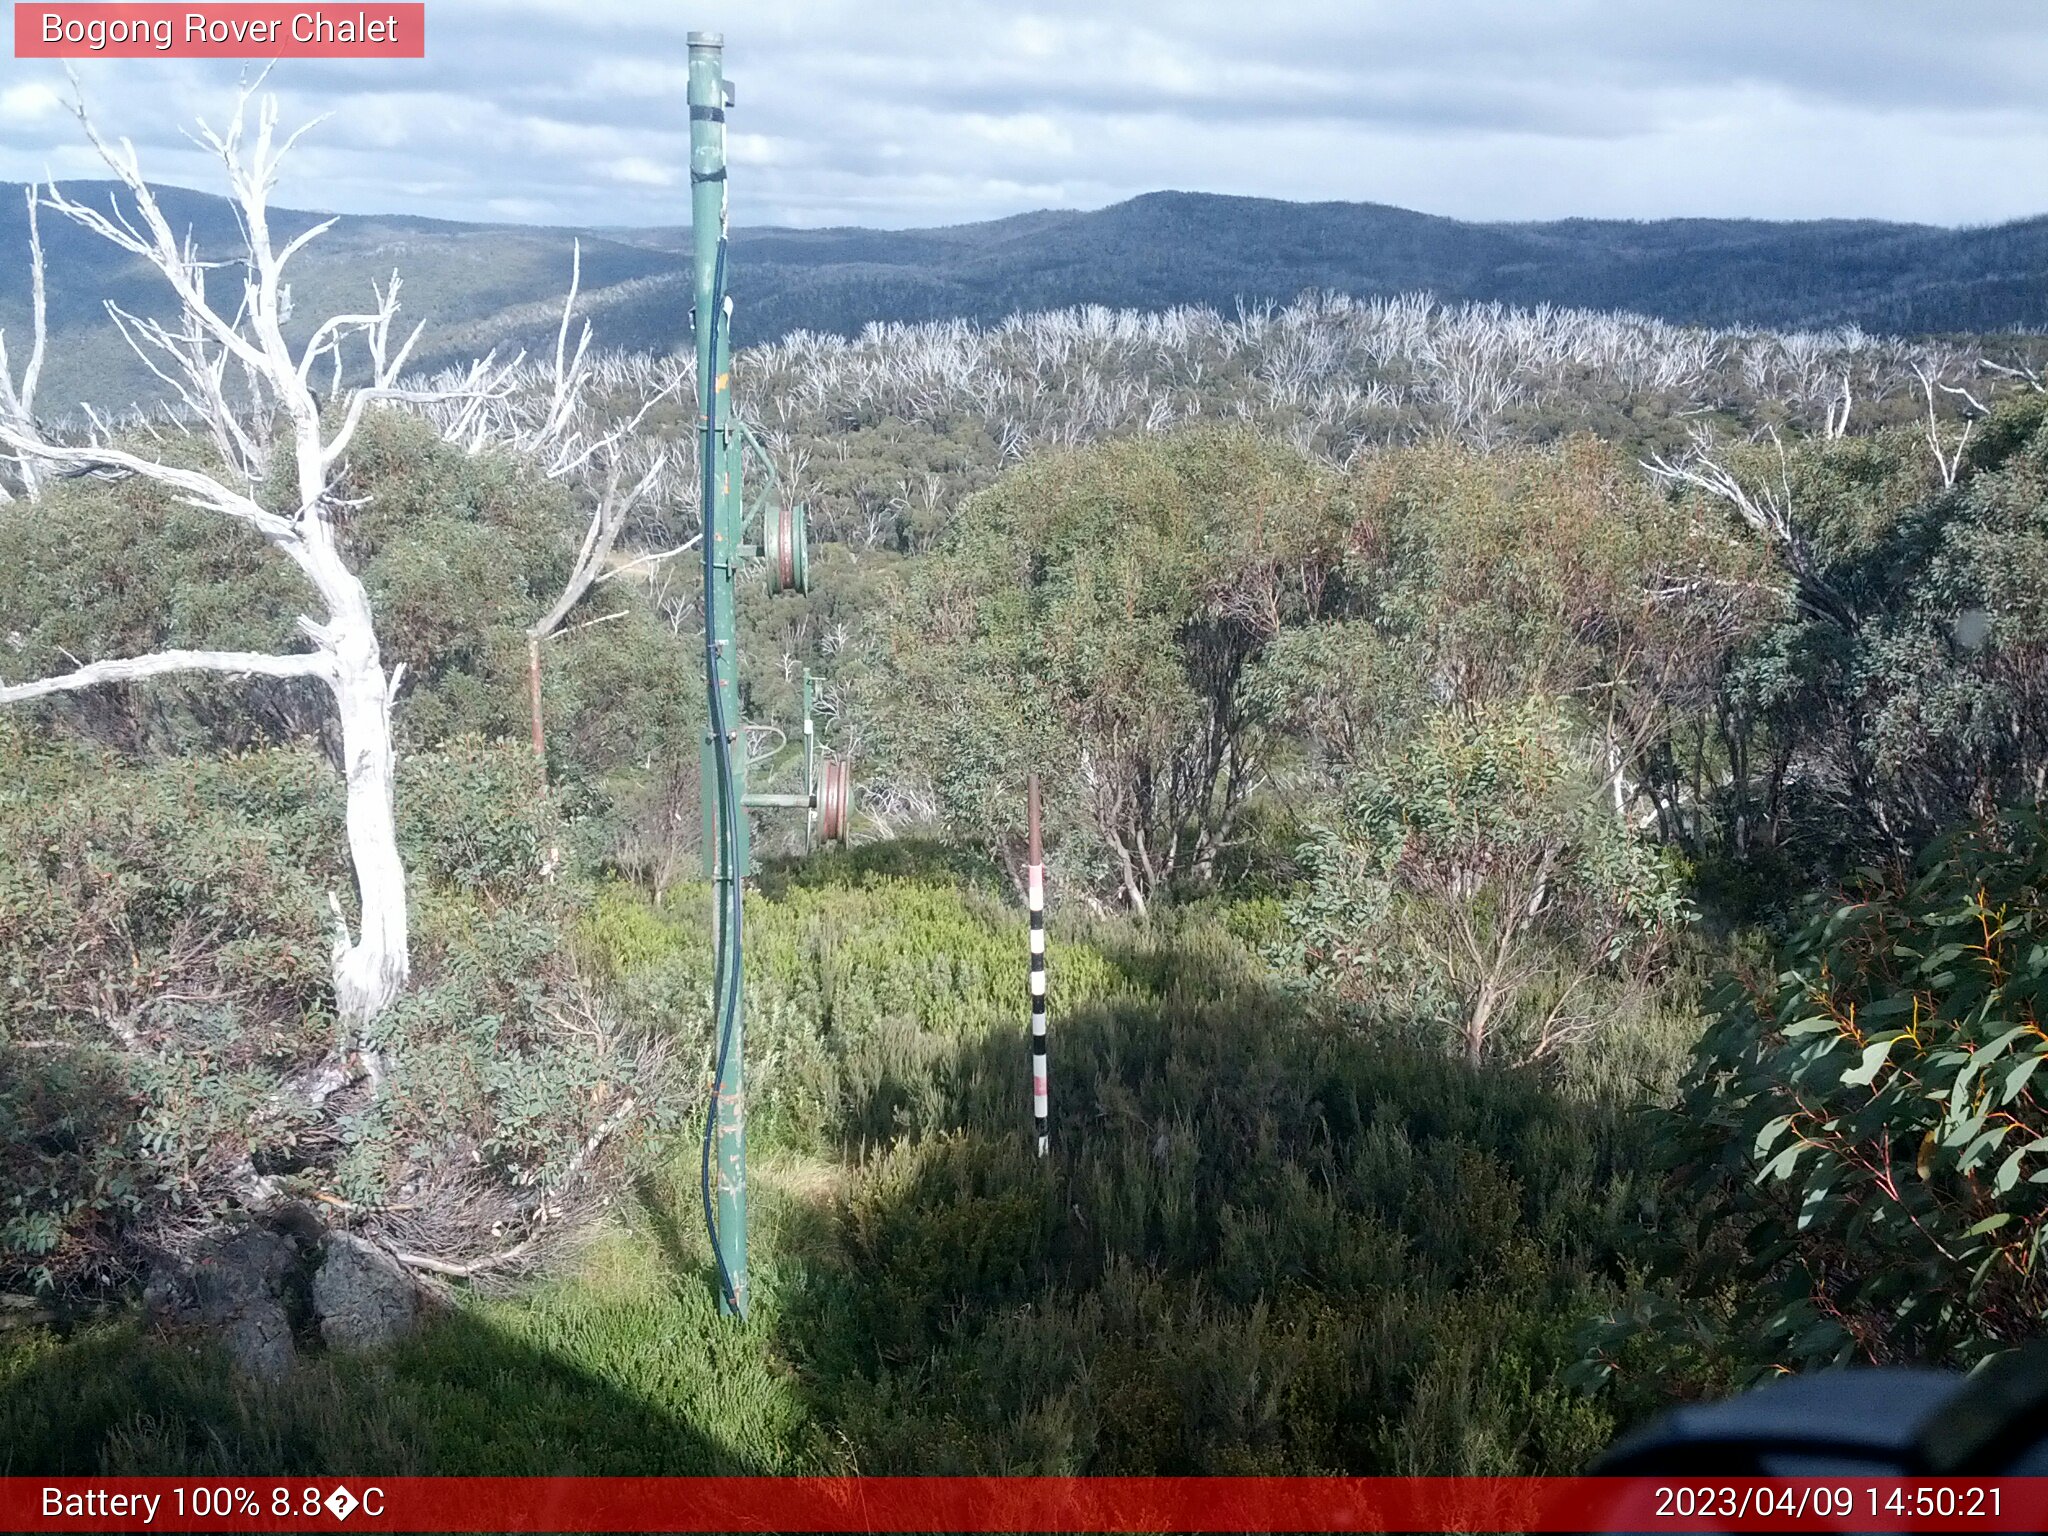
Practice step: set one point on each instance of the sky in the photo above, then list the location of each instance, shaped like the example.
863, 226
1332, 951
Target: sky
901, 113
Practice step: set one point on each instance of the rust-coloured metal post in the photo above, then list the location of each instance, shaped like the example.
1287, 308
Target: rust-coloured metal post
540, 738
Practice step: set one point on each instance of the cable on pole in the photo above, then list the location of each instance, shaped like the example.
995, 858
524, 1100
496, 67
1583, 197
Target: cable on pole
725, 986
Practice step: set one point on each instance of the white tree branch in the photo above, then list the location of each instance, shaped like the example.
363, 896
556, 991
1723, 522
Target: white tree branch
162, 663
654, 559
198, 350
200, 490
615, 504
179, 264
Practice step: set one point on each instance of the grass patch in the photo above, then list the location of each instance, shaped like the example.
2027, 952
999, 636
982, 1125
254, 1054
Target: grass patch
620, 1368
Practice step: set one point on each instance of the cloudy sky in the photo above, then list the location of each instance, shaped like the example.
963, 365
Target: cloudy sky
914, 112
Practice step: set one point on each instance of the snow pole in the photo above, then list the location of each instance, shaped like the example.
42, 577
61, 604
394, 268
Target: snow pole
1035, 886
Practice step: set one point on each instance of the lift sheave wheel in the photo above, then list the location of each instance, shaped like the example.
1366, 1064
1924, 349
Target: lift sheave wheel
835, 802
785, 540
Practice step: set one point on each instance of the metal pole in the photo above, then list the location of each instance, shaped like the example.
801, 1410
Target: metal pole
1035, 881
810, 766
724, 784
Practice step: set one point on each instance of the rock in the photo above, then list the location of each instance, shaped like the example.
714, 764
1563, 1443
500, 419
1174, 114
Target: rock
239, 1286
362, 1296
260, 1289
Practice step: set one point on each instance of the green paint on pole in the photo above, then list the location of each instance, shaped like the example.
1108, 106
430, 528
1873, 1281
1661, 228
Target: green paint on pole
723, 442
725, 755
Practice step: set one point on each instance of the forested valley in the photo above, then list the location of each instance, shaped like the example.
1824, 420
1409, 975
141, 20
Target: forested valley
1543, 817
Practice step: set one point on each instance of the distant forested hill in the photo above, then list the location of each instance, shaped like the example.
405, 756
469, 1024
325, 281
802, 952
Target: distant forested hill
501, 285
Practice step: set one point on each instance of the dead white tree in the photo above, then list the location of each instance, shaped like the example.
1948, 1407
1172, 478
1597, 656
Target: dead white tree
566, 453
1768, 509
253, 394
1948, 457
2031, 377
616, 498
18, 401
1838, 410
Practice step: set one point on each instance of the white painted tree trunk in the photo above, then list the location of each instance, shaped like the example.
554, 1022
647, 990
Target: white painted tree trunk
371, 969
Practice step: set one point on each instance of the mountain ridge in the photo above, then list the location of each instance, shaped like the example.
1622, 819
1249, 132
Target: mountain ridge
482, 285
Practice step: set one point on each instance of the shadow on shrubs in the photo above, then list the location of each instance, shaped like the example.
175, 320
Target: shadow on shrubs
1257, 1245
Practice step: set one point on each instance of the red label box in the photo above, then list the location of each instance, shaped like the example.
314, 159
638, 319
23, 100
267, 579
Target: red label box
213, 30
1023, 1504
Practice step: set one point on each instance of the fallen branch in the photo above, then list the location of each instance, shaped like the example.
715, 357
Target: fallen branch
311, 1090
655, 559
465, 1271
588, 624
543, 1213
351, 1208
597, 1139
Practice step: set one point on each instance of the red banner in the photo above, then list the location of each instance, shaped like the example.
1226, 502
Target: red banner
221, 31
1007, 1504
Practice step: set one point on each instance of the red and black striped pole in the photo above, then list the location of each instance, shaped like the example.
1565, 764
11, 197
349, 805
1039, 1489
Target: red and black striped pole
1035, 881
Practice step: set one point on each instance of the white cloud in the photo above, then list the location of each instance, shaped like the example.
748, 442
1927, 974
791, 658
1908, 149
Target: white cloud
33, 101
636, 78
639, 171
757, 149
924, 111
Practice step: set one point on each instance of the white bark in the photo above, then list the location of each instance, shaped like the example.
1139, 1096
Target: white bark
18, 401
1948, 457
1768, 509
615, 503
161, 663
1838, 410
566, 453
277, 408
371, 971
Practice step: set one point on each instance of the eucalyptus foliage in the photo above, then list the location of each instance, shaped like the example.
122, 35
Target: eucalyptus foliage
1480, 887
164, 976
1861, 1147
1096, 616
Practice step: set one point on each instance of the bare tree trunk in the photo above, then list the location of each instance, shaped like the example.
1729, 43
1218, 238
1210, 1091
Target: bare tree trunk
1134, 889
19, 404
370, 972
540, 735
1478, 1024
557, 442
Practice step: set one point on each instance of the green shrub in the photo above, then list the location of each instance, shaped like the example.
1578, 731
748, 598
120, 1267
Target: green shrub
165, 967
1860, 1144
1480, 889
475, 817
162, 951
1259, 1244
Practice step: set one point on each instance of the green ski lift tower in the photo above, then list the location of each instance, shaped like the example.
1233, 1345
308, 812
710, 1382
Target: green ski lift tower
725, 444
